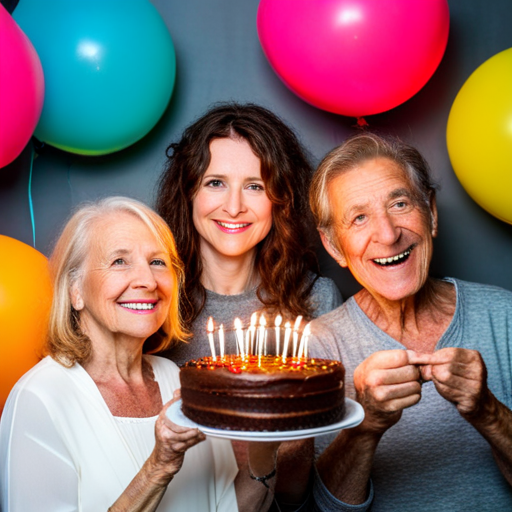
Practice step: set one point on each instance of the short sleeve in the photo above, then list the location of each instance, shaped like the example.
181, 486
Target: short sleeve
325, 296
322, 500
37, 470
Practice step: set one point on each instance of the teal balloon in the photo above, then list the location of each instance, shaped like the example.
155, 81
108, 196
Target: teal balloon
109, 68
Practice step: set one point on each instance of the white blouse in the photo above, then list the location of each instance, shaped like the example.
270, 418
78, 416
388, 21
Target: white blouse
62, 450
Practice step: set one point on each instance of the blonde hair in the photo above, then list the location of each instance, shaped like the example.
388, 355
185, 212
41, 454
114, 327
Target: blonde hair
65, 342
358, 149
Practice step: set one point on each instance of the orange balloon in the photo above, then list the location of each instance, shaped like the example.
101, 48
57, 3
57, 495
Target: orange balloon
25, 299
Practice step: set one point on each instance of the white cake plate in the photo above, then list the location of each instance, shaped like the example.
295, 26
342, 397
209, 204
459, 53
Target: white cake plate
354, 415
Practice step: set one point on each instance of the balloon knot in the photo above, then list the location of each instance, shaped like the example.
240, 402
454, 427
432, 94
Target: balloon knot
361, 123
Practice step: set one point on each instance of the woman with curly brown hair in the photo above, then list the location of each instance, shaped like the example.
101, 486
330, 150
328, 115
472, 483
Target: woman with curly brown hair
234, 192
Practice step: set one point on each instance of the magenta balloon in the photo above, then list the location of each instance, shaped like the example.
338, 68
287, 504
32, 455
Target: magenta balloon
354, 57
21, 89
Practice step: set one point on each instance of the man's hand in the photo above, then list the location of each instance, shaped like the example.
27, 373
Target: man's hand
386, 383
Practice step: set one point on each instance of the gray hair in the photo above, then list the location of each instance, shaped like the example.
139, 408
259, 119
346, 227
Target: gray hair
358, 149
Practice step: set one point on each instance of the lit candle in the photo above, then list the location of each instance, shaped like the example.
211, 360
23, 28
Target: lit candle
239, 336
252, 330
210, 337
303, 342
287, 333
277, 323
221, 340
296, 334
262, 335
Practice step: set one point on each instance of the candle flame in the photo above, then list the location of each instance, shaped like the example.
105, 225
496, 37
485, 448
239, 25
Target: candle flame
238, 323
263, 322
210, 325
254, 318
278, 320
287, 325
307, 330
298, 320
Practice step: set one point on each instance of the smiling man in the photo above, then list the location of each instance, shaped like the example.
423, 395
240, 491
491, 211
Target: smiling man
429, 359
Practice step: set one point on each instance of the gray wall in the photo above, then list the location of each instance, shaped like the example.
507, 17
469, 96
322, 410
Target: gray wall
219, 59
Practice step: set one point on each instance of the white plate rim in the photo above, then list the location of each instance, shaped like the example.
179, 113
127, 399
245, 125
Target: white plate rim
354, 415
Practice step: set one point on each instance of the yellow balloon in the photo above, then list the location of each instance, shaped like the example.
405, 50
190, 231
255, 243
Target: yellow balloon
479, 135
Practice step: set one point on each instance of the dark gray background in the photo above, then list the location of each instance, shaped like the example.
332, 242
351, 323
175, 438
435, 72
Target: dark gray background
219, 58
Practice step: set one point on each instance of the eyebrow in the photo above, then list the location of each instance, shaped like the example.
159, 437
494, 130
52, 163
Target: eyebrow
224, 176
394, 194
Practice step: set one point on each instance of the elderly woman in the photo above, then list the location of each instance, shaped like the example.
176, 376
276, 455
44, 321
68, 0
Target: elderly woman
429, 359
87, 429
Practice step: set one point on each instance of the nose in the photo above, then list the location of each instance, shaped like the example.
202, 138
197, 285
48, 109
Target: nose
386, 230
143, 277
234, 204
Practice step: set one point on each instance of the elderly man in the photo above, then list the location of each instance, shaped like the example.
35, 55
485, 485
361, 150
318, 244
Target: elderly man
429, 359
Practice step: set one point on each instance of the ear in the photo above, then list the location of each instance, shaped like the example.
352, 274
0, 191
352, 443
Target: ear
433, 214
332, 249
76, 297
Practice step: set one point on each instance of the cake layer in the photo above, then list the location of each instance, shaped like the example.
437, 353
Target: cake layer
262, 393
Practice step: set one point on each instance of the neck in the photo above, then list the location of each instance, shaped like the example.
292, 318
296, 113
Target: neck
114, 357
417, 321
229, 275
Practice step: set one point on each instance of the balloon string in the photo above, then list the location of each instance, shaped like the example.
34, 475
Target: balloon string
30, 204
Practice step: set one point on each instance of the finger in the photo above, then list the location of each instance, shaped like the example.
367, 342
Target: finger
426, 372
388, 359
182, 446
387, 377
458, 372
384, 394
418, 358
461, 355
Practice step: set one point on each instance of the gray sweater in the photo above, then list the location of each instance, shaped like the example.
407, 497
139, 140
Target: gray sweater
224, 309
432, 459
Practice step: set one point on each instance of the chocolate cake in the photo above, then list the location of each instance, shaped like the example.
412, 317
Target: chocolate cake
262, 393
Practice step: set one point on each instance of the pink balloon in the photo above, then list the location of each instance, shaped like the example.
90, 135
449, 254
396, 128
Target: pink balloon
21, 89
354, 57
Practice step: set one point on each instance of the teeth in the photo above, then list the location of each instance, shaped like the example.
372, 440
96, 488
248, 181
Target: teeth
383, 261
138, 305
231, 226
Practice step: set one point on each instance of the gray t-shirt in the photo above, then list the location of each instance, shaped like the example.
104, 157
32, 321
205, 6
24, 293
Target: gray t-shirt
432, 459
325, 297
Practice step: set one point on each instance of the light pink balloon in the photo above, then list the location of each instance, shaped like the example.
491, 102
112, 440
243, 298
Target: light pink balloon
354, 57
21, 89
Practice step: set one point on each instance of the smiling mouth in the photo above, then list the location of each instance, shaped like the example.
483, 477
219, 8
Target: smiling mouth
140, 306
228, 225
394, 260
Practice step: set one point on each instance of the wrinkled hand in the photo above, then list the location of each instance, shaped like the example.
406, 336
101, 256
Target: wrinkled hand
460, 376
386, 383
172, 441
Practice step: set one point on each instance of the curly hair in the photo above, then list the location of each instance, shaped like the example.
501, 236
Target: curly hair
286, 258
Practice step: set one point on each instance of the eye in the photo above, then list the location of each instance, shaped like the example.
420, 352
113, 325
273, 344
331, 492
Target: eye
214, 183
256, 186
158, 262
359, 219
118, 261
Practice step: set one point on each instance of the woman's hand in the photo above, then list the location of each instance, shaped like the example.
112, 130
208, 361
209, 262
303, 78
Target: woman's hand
172, 441
145, 491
